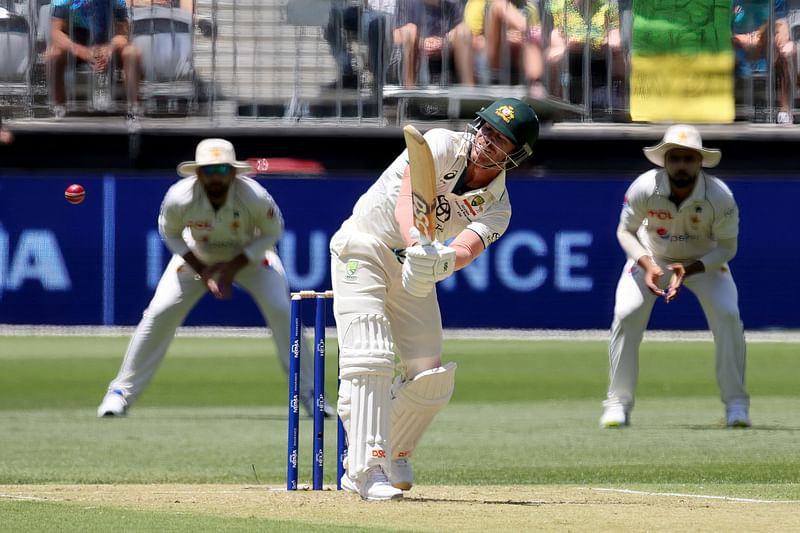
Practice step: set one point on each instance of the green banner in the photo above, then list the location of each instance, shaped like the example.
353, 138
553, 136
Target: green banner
682, 61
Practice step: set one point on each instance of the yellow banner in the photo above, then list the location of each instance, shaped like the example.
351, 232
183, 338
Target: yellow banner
683, 88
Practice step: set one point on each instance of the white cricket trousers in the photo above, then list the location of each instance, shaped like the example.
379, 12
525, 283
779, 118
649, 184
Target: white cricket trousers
718, 297
177, 293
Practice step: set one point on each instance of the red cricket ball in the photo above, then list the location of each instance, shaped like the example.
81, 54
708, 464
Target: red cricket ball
75, 193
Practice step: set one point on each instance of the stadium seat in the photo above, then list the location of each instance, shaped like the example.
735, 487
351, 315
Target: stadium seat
164, 36
16, 52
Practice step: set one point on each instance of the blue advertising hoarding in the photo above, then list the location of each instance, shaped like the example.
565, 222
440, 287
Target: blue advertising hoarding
556, 267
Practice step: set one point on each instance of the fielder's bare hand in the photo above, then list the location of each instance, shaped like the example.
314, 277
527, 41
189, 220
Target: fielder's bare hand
675, 282
652, 274
219, 276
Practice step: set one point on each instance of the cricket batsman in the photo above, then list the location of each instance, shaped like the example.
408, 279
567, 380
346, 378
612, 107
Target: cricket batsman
384, 274
221, 227
679, 227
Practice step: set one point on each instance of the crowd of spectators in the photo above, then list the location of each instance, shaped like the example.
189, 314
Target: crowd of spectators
543, 44
576, 51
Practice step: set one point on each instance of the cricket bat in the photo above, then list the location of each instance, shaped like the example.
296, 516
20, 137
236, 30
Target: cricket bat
423, 182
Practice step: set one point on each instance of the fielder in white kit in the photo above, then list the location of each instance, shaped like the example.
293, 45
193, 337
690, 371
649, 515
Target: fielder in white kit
384, 280
678, 220
222, 228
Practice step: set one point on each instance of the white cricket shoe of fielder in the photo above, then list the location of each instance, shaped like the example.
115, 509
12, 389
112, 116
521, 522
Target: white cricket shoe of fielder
614, 416
373, 486
737, 416
401, 475
113, 404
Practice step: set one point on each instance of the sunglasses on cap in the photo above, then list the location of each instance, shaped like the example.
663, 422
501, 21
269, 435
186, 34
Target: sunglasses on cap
214, 170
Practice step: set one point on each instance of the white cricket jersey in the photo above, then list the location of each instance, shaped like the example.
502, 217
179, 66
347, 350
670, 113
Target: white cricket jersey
486, 211
249, 222
685, 233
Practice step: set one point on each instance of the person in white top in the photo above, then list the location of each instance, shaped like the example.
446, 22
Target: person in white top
679, 227
385, 303
221, 227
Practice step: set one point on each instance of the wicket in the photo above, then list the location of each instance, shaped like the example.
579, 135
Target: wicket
319, 393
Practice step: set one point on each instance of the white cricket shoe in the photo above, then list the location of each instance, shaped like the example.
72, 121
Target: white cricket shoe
401, 475
614, 416
737, 416
113, 404
373, 486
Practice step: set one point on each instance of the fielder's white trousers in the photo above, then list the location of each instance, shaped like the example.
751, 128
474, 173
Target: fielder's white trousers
718, 297
177, 293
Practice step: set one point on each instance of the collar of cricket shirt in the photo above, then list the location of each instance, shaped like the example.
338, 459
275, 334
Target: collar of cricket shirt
698, 194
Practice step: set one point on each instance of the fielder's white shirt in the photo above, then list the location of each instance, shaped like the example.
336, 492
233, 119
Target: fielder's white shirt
249, 222
485, 211
679, 234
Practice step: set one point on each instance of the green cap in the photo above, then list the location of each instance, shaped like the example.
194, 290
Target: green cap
513, 118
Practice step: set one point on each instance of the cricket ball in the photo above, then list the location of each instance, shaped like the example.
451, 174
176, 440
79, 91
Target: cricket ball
75, 194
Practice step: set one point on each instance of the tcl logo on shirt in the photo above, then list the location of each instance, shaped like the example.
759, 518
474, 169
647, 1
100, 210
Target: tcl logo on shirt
200, 224
660, 214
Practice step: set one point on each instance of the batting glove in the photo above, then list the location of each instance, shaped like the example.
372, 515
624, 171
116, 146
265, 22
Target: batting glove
426, 264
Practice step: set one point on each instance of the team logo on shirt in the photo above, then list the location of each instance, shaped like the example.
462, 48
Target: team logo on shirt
200, 224
351, 270
505, 112
663, 233
442, 209
660, 214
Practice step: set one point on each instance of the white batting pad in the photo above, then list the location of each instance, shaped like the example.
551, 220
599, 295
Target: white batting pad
366, 367
415, 403
368, 427
366, 346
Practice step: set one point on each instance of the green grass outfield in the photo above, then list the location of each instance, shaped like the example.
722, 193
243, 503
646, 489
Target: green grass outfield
523, 413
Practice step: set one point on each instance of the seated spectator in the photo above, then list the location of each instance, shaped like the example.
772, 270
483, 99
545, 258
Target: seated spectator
371, 23
93, 32
750, 39
502, 30
162, 32
429, 28
571, 30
